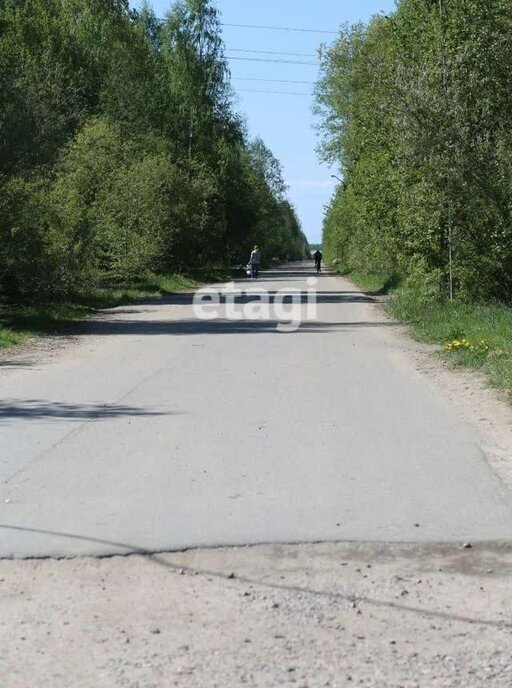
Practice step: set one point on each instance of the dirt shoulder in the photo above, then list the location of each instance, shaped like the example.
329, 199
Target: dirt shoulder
317, 615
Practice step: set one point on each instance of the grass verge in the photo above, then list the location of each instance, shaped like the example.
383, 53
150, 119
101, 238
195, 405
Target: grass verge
19, 323
470, 335
377, 284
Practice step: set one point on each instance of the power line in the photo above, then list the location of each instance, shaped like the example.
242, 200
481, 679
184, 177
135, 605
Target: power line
277, 81
262, 59
279, 28
281, 93
268, 52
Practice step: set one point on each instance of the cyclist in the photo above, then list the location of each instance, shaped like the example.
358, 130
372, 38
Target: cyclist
318, 260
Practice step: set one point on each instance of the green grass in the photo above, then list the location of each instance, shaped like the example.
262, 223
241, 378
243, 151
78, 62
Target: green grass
18, 324
469, 335
473, 336
376, 283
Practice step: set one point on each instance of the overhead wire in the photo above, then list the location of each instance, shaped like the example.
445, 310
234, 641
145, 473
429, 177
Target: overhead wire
274, 60
269, 52
281, 93
279, 28
277, 81
262, 59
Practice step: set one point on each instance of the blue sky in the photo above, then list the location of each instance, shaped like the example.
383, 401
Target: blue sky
285, 122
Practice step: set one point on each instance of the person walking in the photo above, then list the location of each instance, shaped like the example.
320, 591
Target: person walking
318, 260
255, 262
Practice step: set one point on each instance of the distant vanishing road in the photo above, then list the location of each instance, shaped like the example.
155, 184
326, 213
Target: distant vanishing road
154, 430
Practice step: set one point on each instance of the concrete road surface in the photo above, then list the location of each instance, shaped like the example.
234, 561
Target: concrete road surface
154, 430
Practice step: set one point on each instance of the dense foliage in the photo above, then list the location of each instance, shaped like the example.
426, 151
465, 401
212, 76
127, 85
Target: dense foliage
120, 149
417, 112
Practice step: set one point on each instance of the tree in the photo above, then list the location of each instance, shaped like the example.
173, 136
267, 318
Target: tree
120, 151
416, 111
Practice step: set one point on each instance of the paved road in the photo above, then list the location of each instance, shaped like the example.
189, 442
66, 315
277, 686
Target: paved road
157, 431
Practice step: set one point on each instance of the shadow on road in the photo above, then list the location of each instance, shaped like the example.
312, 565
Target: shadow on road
219, 327
250, 294
292, 273
14, 363
39, 409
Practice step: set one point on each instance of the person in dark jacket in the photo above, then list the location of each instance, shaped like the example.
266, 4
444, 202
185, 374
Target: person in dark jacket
318, 260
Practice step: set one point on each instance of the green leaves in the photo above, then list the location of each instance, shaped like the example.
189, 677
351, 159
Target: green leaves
416, 112
120, 152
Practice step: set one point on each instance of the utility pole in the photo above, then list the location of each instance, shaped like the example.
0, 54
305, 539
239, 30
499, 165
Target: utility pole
190, 134
449, 228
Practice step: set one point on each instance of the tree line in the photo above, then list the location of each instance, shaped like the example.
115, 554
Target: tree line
121, 151
416, 109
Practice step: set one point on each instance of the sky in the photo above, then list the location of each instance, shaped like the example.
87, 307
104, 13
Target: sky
286, 122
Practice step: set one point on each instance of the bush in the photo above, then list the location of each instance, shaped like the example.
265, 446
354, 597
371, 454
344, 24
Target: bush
26, 265
419, 292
